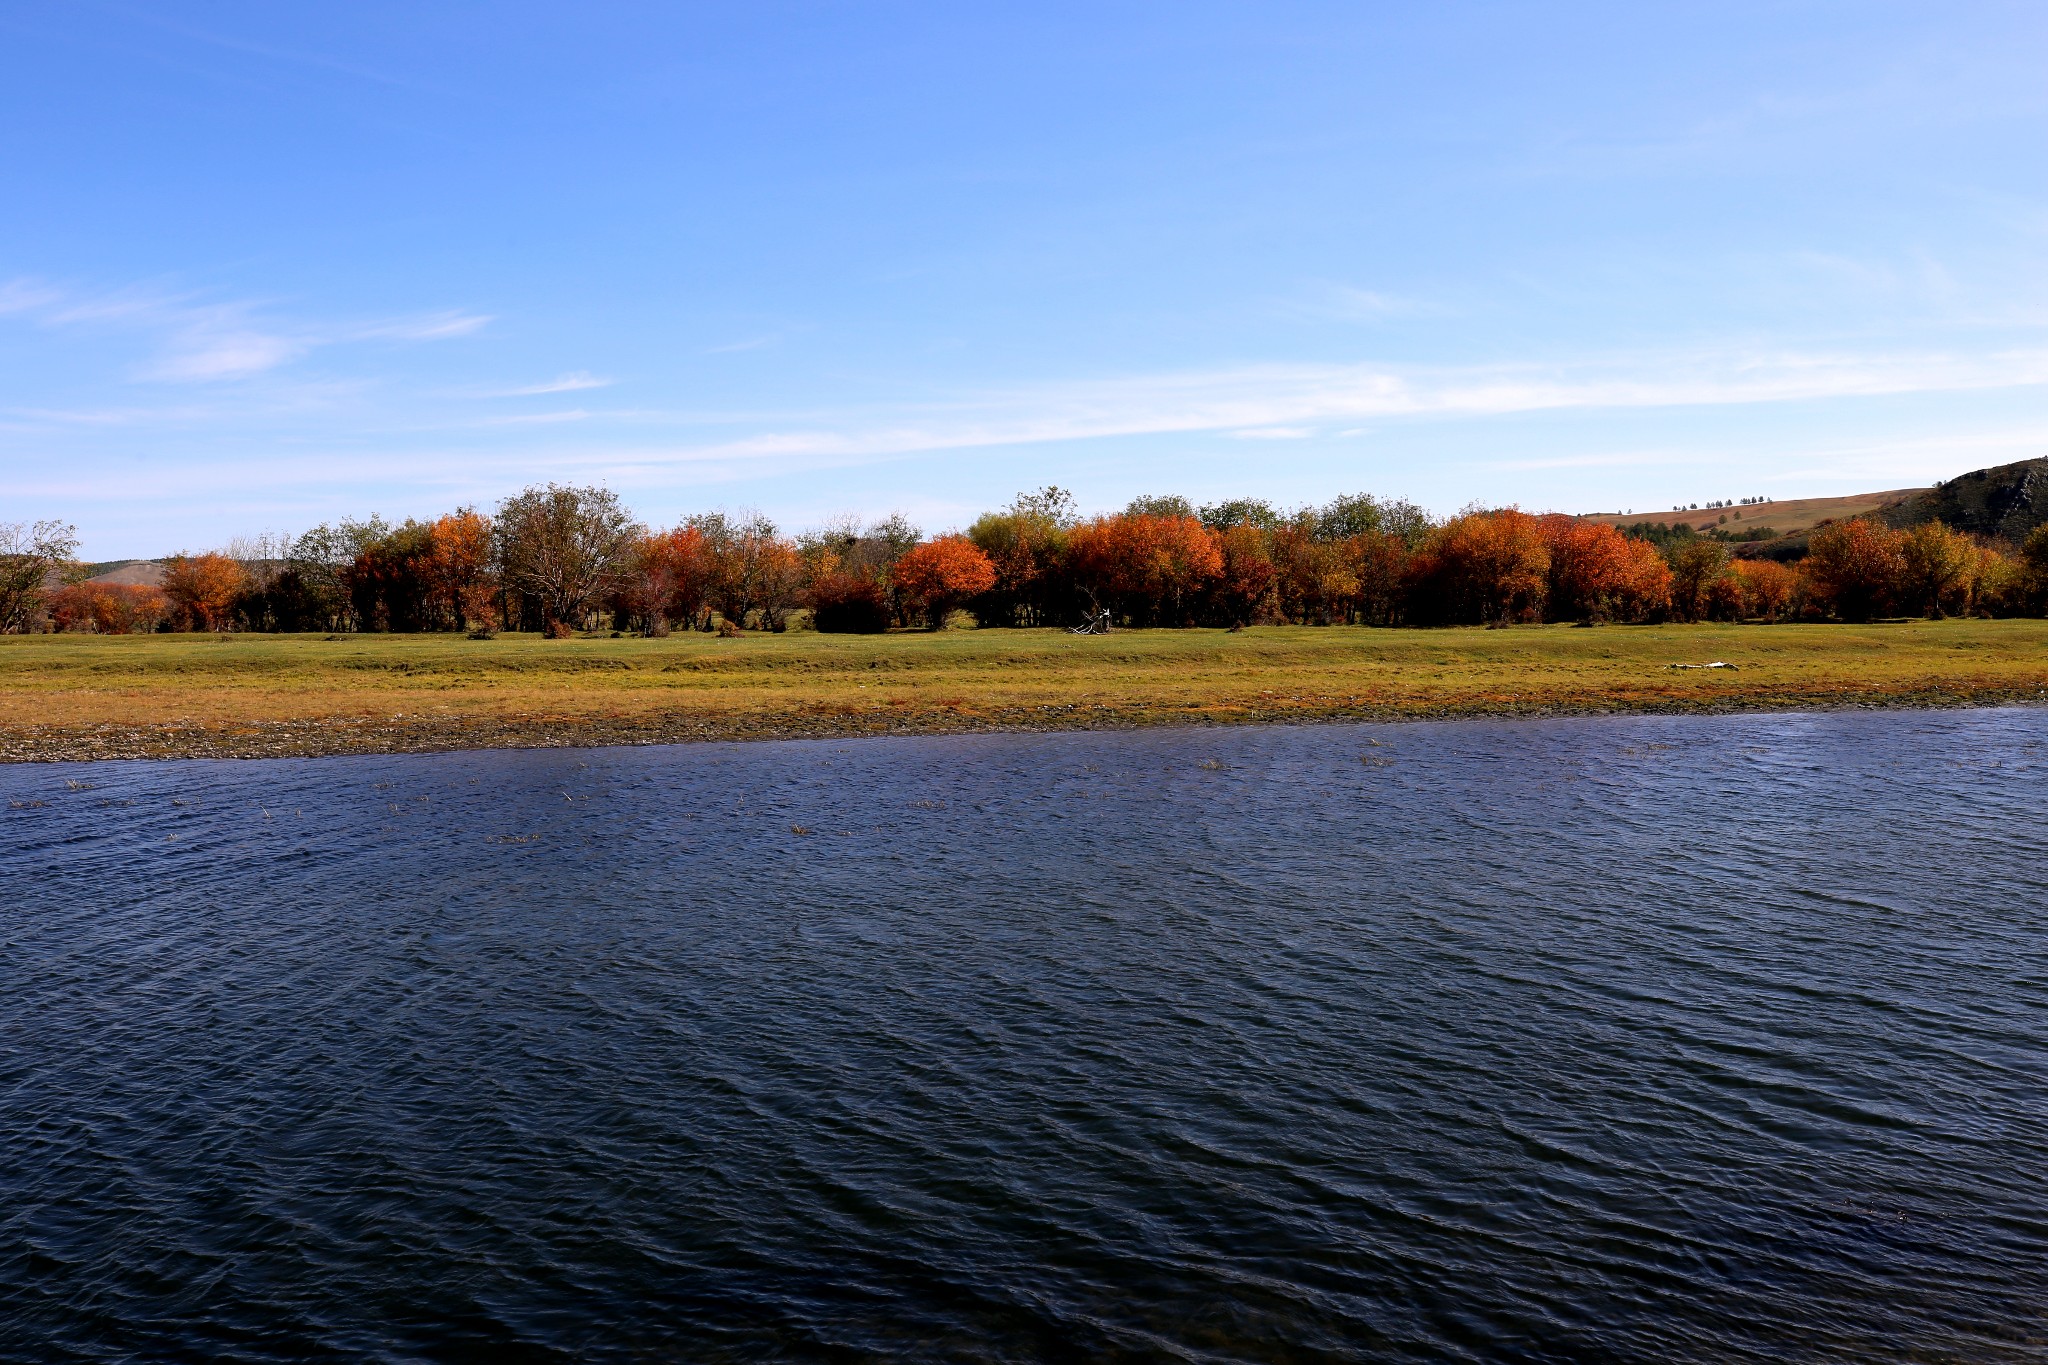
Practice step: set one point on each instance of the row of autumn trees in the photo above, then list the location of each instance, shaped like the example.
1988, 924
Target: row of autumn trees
559, 559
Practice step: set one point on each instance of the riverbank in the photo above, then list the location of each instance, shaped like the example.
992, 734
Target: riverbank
253, 696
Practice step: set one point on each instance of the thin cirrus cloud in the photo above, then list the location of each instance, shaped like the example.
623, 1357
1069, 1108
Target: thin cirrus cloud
425, 327
573, 382
1289, 402
1349, 303
208, 342
746, 344
1267, 402
206, 354
650, 448
538, 418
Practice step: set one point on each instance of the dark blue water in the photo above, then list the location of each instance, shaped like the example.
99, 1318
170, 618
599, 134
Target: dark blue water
1702, 1040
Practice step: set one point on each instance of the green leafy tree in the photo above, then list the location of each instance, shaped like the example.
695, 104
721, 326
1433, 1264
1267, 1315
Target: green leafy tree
31, 554
565, 548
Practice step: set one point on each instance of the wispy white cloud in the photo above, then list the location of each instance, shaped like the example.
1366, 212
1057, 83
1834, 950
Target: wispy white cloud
427, 327
1626, 459
202, 354
562, 383
202, 341
1897, 462
1280, 398
226, 447
749, 344
537, 418
1349, 303
26, 296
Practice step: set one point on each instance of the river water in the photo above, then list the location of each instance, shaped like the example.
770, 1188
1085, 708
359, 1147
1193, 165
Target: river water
1623, 1039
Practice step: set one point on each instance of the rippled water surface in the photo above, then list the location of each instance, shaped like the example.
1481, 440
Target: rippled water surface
1703, 1039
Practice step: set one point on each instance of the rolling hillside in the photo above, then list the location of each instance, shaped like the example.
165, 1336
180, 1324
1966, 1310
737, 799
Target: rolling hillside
1784, 516
2004, 503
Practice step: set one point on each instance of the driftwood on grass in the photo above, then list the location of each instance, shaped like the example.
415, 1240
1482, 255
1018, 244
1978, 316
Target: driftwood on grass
1097, 624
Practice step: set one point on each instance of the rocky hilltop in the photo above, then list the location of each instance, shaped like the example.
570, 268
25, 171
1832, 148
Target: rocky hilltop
2002, 503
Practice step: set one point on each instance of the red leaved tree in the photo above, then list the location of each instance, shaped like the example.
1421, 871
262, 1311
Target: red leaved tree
669, 580
108, 608
1244, 585
1591, 570
1644, 591
1146, 567
1378, 561
940, 575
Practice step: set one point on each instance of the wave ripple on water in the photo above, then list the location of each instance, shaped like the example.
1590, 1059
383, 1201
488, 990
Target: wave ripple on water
1625, 1039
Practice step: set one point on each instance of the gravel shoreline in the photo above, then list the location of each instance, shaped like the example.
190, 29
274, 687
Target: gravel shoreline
325, 738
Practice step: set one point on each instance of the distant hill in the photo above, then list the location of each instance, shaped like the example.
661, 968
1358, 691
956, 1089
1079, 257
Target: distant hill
145, 573
1784, 517
141, 573
2003, 503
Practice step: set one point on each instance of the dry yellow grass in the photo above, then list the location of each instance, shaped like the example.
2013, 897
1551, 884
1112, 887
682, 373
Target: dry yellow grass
85, 696
1784, 516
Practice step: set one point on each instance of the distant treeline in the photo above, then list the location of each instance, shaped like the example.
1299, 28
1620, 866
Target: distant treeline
563, 559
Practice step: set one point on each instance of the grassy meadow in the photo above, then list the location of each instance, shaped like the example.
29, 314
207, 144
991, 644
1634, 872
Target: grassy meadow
86, 696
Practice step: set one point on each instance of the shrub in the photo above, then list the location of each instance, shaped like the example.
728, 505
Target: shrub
846, 604
108, 608
1767, 587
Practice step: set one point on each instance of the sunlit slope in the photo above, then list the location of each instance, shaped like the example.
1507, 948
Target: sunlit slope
1784, 517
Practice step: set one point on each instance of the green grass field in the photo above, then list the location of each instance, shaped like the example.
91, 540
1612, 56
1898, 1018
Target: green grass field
75, 696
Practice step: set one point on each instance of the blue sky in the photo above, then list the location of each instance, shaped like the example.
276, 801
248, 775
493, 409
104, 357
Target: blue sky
262, 265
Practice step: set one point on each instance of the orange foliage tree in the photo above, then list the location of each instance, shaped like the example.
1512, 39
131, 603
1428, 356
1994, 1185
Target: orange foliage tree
1596, 573
1481, 567
203, 589
1855, 567
669, 580
1316, 581
1645, 589
1378, 561
460, 562
844, 603
108, 608
1146, 567
1245, 582
1724, 597
1767, 587
941, 575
